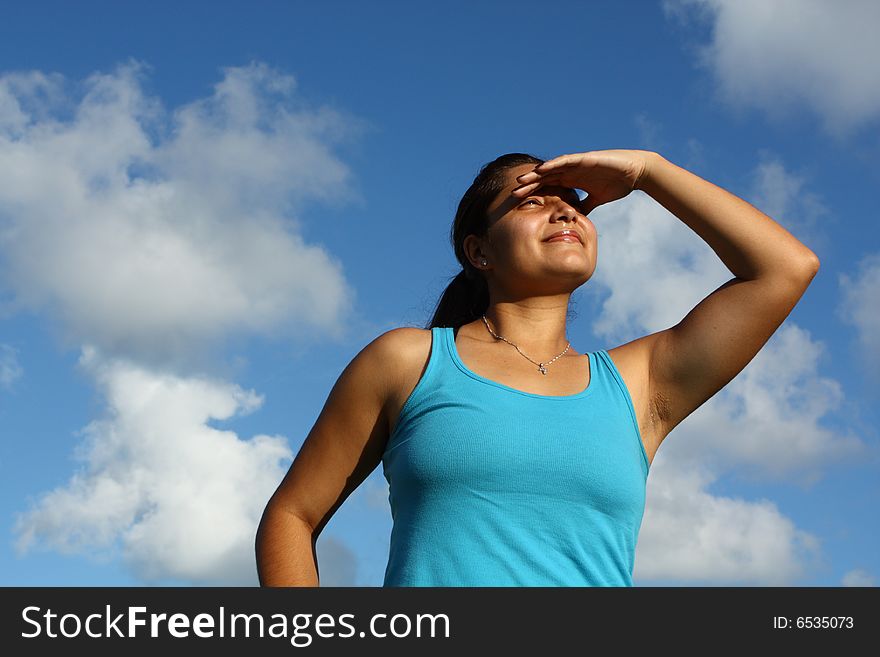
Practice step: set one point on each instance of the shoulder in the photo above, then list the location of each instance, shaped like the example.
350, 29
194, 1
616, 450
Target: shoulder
400, 357
634, 360
635, 357
401, 353
402, 342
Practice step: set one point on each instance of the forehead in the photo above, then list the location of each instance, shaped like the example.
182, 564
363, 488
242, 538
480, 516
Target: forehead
504, 202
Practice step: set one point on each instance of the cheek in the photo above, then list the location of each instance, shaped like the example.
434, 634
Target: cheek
511, 240
590, 229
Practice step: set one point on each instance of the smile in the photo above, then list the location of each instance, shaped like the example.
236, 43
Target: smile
566, 235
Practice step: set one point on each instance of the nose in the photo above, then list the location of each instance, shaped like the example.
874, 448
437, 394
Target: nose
565, 213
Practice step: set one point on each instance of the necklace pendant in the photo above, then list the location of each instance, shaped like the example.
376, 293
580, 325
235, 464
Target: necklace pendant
543, 369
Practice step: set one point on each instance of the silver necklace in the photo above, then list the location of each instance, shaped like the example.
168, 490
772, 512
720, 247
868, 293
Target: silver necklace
540, 365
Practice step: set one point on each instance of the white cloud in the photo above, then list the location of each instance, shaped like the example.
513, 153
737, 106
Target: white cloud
649, 132
26, 97
148, 235
766, 424
337, 564
651, 265
10, 370
375, 491
858, 577
776, 56
153, 234
786, 197
860, 308
182, 499
692, 536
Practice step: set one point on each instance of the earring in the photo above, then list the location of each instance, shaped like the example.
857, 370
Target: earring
484, 262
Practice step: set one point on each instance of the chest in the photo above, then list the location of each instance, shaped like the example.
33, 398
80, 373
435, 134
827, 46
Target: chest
494, 447
566, 376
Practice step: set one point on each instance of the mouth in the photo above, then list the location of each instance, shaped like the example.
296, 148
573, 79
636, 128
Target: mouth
566, 235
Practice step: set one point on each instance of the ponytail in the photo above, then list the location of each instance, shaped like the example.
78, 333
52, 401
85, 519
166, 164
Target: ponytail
466, 297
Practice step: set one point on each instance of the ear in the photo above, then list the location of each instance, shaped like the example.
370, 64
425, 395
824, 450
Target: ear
474, 250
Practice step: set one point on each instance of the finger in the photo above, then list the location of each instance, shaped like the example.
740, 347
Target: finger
533, 176
557, 162
542, 181
528, 177
543, 178
528, 188
552, 179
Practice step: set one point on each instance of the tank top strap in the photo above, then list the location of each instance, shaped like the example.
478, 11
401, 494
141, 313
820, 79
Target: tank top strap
431, 378
447, 337
613, 380
436, 361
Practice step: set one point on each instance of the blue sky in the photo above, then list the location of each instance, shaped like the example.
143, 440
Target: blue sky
207, 209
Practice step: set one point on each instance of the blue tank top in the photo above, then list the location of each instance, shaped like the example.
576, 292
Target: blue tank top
494, 486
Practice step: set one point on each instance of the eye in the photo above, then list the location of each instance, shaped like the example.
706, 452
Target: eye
531, 200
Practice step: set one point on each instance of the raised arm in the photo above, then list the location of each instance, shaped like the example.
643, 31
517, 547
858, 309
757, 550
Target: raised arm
692, 360
689, 362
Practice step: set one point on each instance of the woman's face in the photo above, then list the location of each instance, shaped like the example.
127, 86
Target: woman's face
520, 259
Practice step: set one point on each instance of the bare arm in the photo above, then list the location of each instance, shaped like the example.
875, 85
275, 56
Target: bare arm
285, 546
342, 449
692, 360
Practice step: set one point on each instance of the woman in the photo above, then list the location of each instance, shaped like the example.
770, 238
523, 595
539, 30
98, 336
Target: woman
513, 460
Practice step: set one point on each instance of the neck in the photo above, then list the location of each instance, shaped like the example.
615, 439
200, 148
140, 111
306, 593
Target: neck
536, 327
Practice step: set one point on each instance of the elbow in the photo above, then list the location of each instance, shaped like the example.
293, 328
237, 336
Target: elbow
803, 269
811, 265
797, 273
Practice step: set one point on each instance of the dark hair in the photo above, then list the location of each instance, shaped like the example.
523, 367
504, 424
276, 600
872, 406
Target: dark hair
467, 296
